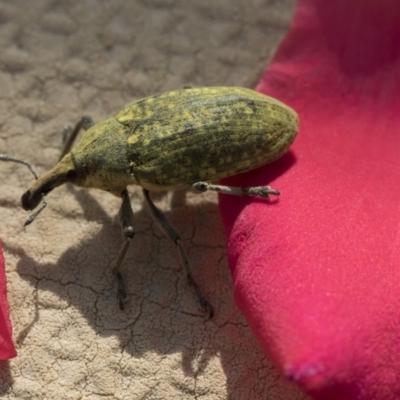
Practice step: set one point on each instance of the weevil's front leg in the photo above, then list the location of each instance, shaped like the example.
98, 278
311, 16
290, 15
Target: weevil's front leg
69, 135
256, 191
125, 216
170, 232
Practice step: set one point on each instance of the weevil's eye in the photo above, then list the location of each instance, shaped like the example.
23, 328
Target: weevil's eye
71, 175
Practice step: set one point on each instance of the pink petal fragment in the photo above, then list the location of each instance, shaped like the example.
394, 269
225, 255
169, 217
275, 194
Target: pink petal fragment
7, 349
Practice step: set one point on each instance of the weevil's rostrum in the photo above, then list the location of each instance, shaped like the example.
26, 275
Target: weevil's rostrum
177, 139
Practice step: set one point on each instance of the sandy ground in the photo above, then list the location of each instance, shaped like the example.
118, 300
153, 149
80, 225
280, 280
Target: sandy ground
58, 61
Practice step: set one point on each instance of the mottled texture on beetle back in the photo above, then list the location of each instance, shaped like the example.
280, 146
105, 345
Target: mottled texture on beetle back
190, 135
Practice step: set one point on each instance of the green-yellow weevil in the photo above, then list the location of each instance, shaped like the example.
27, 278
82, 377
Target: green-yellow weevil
183, 138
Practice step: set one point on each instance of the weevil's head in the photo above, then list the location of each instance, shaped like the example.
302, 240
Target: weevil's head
63, 172
97, 161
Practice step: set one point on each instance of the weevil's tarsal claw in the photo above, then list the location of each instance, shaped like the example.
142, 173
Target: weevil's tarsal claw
260, 191
204, 303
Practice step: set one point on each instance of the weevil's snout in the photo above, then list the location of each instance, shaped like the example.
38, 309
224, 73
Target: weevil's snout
60, 174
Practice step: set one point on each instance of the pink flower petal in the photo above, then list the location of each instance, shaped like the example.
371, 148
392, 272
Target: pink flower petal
317, 273
7, 349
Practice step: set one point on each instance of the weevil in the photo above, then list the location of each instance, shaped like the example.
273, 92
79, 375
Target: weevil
179, 139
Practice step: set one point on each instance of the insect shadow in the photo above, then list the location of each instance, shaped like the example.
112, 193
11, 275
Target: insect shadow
160, 300
160, 305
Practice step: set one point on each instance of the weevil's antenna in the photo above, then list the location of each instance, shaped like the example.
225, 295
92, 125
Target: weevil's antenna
31, 217
5, 157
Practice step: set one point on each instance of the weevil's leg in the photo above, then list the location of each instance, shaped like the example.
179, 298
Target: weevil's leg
69, 136
125, 216
162, 222
256, 191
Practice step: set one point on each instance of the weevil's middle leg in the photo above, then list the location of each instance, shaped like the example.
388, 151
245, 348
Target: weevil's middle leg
162, 222
69, 135
125, 216
256, 191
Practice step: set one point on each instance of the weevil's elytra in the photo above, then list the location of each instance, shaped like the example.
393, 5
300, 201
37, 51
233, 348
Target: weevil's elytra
242, 130
177, 139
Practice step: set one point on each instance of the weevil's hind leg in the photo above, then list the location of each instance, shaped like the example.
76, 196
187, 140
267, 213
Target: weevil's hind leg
162, 222
125, 216
69, 135
255, 191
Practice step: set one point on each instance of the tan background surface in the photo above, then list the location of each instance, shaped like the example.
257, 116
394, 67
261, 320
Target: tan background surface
62, 59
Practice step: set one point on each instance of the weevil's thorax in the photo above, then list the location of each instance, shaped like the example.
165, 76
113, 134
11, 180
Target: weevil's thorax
100, 159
